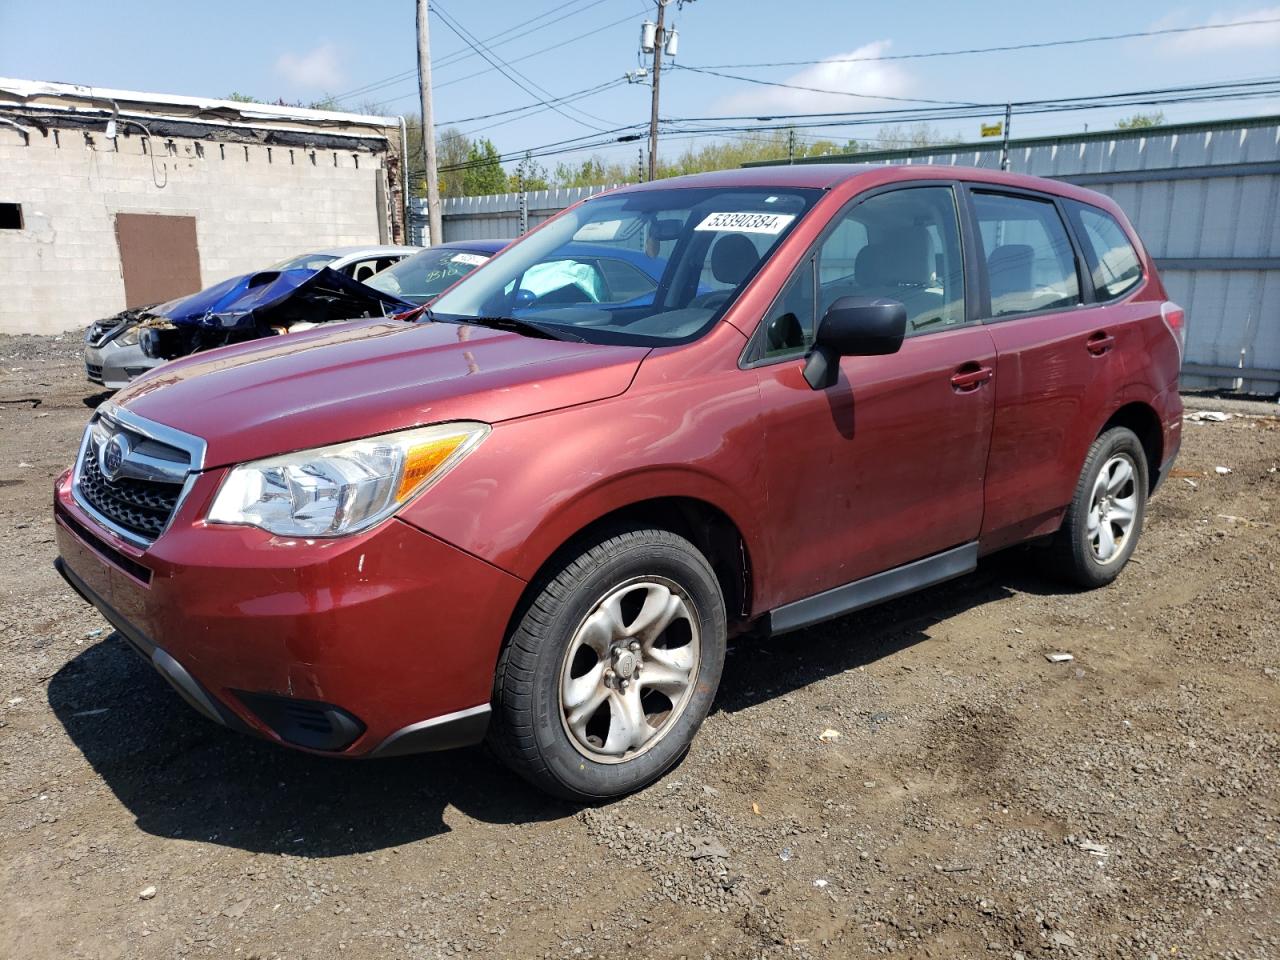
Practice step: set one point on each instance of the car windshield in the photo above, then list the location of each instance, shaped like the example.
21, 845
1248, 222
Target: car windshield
307, 261
424, 275
650, 268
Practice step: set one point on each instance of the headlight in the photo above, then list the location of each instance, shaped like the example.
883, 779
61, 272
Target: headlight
130, 337
342, 489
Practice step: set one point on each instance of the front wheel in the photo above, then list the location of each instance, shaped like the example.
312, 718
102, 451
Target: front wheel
613, 667
1103, 522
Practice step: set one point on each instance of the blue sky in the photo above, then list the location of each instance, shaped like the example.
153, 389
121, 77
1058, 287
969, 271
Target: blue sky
274, 49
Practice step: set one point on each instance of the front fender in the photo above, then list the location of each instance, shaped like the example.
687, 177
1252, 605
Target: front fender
536, 482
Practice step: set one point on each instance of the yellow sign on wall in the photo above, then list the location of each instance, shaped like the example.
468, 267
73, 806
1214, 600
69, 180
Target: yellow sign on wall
992, 129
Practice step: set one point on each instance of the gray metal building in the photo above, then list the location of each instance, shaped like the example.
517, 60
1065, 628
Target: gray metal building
1205, 198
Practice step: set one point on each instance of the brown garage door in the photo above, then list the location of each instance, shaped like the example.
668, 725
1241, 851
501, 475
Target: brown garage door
158, 256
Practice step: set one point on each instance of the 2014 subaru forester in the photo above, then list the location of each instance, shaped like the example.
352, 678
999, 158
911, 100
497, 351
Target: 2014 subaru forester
535, 515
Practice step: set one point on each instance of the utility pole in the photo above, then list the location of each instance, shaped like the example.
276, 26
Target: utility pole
428, 124
791, 145
658, 40
1004, 146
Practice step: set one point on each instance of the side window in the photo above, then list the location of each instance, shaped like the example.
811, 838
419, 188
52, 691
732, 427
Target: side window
788, 327
1030, 262
1113, 261
625, 282
902, 245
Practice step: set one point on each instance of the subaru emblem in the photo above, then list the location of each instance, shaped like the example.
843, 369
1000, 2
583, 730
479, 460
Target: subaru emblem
111, 455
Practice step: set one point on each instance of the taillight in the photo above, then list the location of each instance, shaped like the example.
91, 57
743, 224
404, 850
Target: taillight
1175, 318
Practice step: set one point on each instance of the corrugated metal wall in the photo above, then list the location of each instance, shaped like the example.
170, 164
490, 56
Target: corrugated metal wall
495, 217
1206, 200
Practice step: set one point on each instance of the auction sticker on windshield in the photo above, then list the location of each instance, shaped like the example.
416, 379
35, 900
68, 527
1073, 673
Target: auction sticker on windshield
769, 223
470, 259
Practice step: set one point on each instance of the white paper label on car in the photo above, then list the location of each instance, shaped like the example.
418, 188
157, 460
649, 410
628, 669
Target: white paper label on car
470, 259
768, 223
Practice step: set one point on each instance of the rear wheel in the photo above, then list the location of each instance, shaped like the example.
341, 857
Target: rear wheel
612, 668
1103, 523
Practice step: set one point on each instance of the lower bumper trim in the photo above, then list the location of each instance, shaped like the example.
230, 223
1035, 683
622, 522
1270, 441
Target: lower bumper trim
175, 673
463, 728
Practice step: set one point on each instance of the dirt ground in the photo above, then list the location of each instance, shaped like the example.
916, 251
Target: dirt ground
976, 800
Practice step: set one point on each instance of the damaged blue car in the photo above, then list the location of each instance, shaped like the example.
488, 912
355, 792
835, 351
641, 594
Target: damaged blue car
311, 288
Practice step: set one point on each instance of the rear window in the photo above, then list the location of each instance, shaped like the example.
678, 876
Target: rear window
1113, 261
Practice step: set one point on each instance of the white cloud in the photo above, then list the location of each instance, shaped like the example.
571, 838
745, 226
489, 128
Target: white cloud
317, 70
1231, 38
867, 75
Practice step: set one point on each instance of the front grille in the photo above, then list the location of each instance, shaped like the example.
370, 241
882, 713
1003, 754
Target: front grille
143, 507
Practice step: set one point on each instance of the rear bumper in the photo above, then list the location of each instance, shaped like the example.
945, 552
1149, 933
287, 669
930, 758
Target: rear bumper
1171, 428
377, 645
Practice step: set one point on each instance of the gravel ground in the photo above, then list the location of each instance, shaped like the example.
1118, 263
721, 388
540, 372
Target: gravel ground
916, 780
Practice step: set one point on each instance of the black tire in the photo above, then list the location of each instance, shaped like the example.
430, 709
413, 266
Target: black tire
1072, 556
527, 730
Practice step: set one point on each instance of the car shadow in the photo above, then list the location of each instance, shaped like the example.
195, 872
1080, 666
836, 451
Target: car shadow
761, 668
182, 777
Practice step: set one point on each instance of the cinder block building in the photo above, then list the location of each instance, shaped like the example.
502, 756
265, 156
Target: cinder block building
112, 198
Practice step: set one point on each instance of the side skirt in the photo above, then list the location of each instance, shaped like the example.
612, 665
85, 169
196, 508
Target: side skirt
874, 589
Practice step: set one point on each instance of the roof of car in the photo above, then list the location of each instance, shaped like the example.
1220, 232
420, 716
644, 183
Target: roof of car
361, 250
479, 246
827, 175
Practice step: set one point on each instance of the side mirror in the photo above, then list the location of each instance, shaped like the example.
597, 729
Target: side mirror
854, 327
525, 298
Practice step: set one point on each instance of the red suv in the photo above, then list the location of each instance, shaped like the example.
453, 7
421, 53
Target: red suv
535, 515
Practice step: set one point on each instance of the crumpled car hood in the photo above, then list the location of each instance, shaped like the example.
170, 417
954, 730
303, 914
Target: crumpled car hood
280, 298
348, 380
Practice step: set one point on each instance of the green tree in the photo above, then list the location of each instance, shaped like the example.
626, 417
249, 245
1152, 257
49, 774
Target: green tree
483, 173
906, 136
241, 97
1140, 121
533, 177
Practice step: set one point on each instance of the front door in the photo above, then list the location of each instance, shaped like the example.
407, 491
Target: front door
887, 465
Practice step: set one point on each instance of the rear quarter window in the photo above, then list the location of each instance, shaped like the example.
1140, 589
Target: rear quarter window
1113, 262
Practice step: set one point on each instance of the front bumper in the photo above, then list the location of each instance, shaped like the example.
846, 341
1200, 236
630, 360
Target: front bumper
374, 645
114, 366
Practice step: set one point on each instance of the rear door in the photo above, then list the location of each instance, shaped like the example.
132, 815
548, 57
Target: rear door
886, 466
1058, 359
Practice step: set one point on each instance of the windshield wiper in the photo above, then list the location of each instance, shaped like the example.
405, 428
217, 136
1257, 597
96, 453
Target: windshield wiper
528, 328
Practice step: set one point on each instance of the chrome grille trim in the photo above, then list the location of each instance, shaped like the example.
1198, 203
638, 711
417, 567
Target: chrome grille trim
140, 466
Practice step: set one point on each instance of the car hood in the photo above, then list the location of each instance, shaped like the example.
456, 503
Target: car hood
279, 297
349, 380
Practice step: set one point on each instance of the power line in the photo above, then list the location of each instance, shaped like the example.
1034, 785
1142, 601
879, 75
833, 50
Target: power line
840, 93
510, 72
460, 55
1197, 93
577, 95
1003, 48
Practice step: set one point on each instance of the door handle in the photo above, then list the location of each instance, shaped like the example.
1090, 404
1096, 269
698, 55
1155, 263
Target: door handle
970, 376
1099, 343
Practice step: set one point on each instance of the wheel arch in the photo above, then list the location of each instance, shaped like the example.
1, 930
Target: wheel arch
1142, 419
705, 524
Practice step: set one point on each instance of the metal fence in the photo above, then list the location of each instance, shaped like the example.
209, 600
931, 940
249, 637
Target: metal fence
1205, 197
495, 217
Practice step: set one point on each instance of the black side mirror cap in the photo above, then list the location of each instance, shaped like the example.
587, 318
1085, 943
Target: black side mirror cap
854, 327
